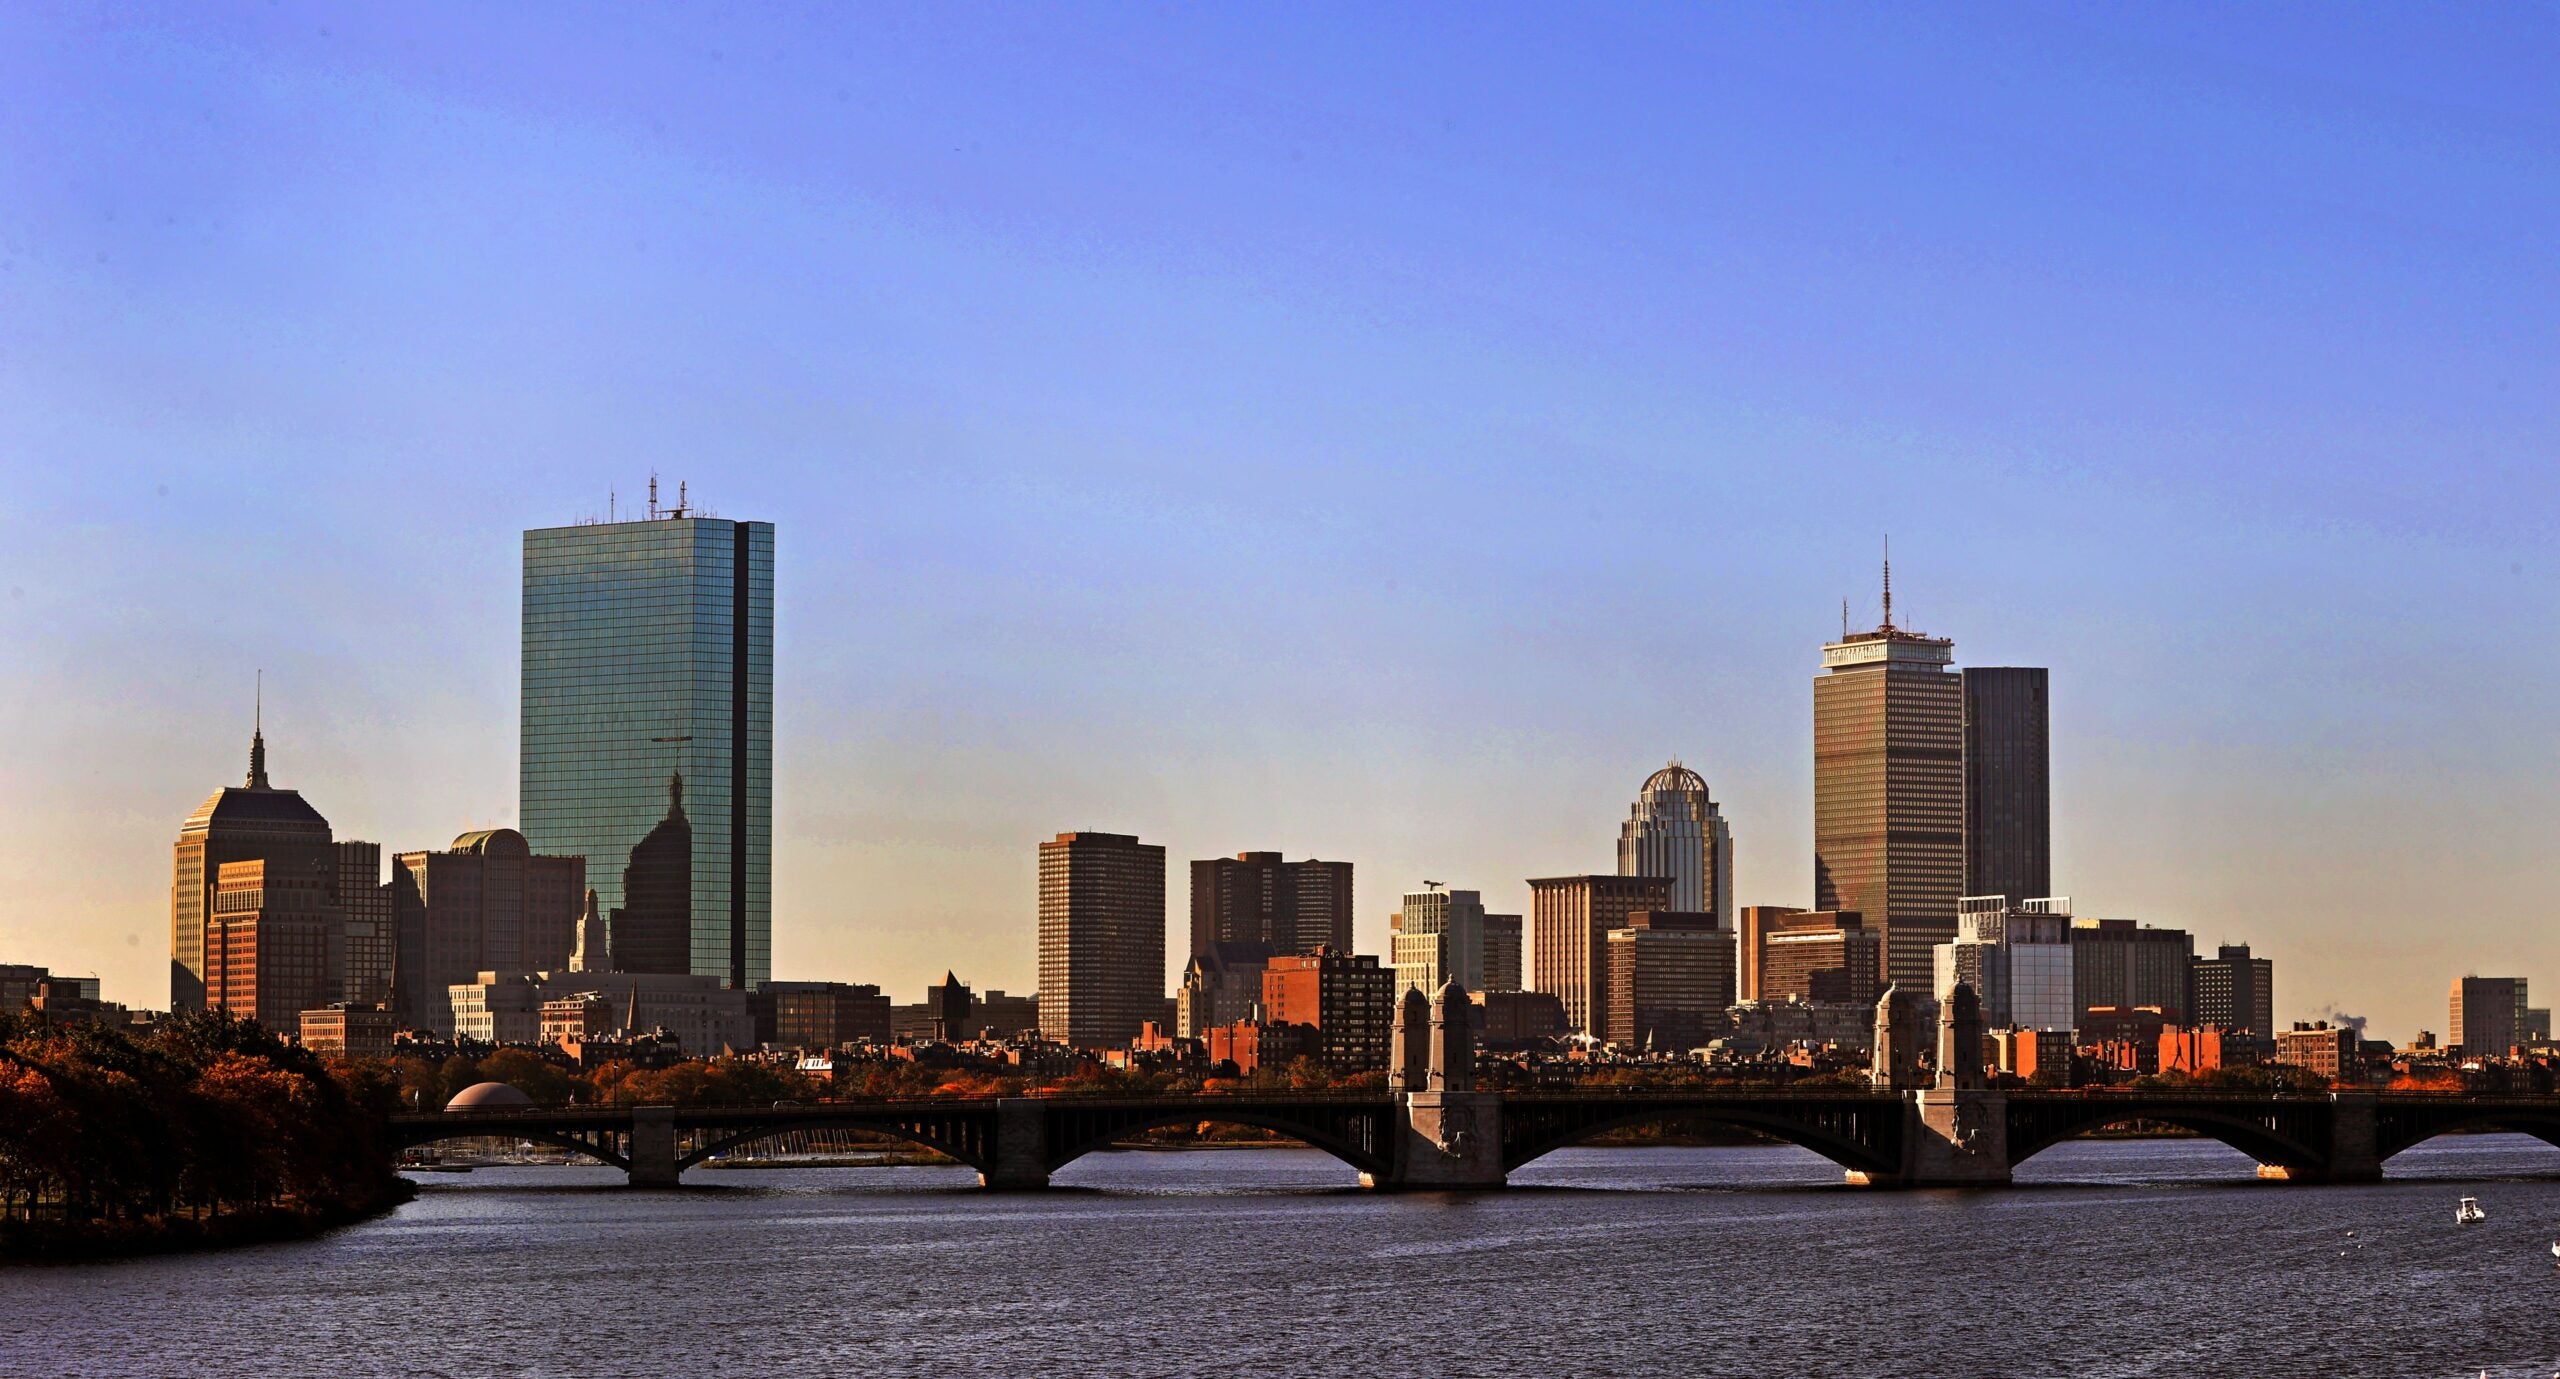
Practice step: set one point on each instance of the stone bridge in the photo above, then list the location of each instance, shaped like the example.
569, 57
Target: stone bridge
1432, 1128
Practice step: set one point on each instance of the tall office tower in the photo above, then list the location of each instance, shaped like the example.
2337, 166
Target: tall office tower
361, 946
1670, 980
2236, 992
1101, 938
1675, 830
2018, 960
488, 904
648, 717
1758, 921
1570, 919
1820, 955
1502, 952
2489, 1015
1888, 790
2008, 790
1256, 897
238, 823
267, 946
2116, 962
1439, 935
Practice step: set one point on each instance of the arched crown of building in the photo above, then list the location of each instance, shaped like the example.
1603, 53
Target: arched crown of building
494, 842
1672, 778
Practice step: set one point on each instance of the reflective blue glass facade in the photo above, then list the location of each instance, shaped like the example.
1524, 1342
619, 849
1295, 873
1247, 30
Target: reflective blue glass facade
647, 733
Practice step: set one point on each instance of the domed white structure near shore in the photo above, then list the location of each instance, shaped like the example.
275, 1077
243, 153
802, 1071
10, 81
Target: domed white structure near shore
488, 1096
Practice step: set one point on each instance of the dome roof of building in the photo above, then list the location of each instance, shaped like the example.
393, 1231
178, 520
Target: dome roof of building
494, 842
1674, 777
239, 807
487, 1096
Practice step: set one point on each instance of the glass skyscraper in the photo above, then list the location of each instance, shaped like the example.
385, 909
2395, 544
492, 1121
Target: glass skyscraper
647, 733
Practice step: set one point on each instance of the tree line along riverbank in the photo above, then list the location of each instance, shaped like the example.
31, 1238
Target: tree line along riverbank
206, 1131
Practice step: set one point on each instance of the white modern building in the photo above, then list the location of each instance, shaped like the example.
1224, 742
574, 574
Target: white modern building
1675, 830
2017, 957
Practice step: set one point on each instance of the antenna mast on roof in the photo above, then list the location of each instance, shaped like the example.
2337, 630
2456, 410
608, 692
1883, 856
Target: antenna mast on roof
653, 495
1888, 583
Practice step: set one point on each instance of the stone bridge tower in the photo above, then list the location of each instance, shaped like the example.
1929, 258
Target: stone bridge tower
1449, 1135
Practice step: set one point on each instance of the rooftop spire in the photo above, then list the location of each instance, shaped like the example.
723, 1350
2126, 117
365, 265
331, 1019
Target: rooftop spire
258, 738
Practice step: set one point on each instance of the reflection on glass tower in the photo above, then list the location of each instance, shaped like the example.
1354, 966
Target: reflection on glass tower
653, 927
648, 649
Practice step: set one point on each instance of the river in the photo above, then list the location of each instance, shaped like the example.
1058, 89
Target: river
2113, 1258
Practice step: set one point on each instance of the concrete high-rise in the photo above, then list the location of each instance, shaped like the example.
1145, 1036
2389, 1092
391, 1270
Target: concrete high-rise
2236, 992
1888, 790
239, 823
1440, 935
488, 904
2008, 789
267, 943
2017, 957
648, 676
362, 945
1257, 897
1817, 955
1670, 980
1675, 830
1570, 920
1102, 949
2489, 1015
2116, 962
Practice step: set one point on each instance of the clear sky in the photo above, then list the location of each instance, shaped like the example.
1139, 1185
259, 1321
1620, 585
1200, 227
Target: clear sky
1374, 432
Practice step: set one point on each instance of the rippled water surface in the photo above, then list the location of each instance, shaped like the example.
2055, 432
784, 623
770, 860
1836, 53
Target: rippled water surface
2113, 1258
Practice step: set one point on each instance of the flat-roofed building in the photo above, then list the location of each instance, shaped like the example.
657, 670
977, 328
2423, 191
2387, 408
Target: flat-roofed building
1755, 924
2018, 960
1261, 898
1503, 953
1570, 919
2235, 992
267, 948
1823, 956
349, 1030
2117, 962
1102, 938
2489, 1015
826, 1015
1670, 980
1888, 790
1439, 935
2333, 1053
1347, 998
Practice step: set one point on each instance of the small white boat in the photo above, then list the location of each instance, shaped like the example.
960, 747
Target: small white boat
2469, 1212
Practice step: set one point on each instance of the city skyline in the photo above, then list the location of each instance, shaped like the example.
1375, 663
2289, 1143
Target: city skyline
1107, 440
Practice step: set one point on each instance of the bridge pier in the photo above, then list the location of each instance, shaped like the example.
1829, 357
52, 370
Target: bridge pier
653, 1147
2355, 1145
1951, 1137
1445, 1140
1020, 1162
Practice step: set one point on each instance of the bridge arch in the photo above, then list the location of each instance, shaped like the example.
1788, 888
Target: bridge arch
940, 1139
1361, 1139
2403, 1127
1864, 1139
2252, 1135
596, 1149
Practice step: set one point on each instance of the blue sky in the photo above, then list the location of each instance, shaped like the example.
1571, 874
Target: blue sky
1382, 433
